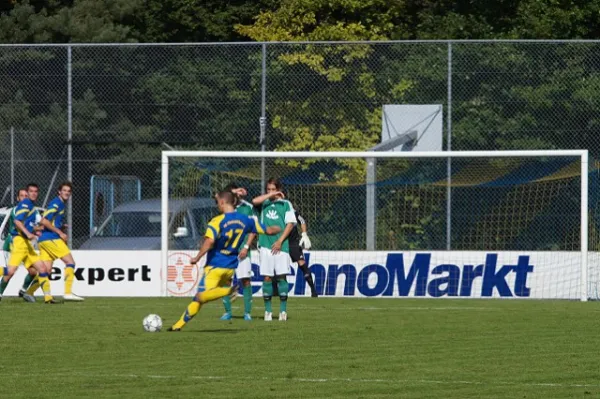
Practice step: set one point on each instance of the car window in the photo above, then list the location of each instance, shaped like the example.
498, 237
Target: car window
201, 218
131, 224
181, 219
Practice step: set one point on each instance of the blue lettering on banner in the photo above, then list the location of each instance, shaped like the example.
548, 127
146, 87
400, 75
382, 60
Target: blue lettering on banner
396, 279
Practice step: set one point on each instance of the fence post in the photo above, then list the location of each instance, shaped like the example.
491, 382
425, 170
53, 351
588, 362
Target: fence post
263, 116
449, 148
12, 165
69, 141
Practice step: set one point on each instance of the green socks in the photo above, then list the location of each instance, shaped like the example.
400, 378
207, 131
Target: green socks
227, 303
283, 287
27, 282
248, 299
267, 295
3, 285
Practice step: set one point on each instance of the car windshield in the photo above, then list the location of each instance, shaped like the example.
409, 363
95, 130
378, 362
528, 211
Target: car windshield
131, 224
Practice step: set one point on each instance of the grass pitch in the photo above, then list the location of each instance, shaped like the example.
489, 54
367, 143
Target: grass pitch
329, 348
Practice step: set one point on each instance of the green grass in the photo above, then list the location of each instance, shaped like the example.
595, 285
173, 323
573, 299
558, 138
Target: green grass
369, 348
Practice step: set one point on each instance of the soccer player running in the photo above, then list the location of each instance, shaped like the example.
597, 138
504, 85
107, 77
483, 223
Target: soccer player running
274, 250
22, 250
244, 269
222, 240
21, 195
53, 241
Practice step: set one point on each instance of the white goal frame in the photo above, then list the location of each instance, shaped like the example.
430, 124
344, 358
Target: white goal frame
582, 154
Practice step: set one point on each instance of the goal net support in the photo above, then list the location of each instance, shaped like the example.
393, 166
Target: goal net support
401, 224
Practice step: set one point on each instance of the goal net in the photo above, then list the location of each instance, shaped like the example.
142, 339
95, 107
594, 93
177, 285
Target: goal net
504, 224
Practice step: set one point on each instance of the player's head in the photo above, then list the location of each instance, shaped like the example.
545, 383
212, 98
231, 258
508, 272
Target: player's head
22, 194
225, 201
273, 185
236, 190
33, 190
64, 190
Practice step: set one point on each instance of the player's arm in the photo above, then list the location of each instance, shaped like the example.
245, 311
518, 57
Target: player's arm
257, 201
212, 232
207, 245
291, 221
46, 222
20, 216
304, 241
21, 227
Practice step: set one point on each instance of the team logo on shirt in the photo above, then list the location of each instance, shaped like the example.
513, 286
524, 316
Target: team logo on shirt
272, 214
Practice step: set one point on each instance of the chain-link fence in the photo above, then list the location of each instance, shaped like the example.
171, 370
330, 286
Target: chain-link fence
85, 112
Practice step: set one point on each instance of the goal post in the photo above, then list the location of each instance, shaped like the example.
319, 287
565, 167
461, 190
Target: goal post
510, 205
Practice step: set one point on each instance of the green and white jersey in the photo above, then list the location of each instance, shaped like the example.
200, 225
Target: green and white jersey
11, 226
276, 213
246, 208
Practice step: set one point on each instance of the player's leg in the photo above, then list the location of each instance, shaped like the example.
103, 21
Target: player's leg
247, 290
308, 277
43, 277
69, 277
298, 257
6, 274
282, 269
29, 281
18, 255
267, 270
244, 274
213, 285
227, 305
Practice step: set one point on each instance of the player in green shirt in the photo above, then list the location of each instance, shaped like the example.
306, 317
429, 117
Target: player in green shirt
275, 262
244, 269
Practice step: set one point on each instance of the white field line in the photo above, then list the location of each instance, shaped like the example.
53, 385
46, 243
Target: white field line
318, 380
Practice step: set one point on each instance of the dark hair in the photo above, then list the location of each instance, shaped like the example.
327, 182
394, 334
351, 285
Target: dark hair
66, 183
19, 190
227, 196
32, 185
231, 186
276, 182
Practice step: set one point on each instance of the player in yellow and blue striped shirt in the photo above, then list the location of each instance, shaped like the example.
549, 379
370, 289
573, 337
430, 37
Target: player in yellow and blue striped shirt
222, 241
53, 241
22, 250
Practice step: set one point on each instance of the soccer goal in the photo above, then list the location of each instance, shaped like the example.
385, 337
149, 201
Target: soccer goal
483, 224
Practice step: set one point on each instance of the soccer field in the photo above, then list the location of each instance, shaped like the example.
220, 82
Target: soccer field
367, 348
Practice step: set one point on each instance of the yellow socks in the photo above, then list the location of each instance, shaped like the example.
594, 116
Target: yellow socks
44, 282
33, 287
69, 278
191, 311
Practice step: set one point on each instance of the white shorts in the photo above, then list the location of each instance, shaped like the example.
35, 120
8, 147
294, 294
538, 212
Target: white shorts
274, 265
244, 269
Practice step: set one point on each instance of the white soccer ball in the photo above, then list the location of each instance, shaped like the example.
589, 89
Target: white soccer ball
152, 323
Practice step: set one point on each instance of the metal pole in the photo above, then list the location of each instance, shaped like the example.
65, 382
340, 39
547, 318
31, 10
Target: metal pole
69, 141
449, 148
370, 203
263, 117
584, 225
12, 164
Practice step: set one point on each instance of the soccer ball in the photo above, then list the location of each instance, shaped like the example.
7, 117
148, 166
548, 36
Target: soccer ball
152, 323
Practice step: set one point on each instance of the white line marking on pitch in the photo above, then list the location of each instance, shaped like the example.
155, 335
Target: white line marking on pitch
325, 380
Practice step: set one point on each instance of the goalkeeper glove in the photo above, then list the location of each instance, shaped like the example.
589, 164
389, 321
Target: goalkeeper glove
305, 241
